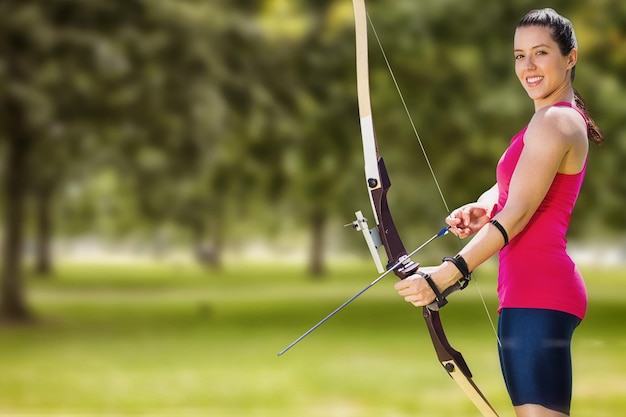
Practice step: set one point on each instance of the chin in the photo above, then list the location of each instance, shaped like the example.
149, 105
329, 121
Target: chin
535, 95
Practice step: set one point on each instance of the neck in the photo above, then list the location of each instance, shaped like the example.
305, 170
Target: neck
564, 93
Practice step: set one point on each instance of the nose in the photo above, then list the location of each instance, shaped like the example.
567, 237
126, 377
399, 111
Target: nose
528, 63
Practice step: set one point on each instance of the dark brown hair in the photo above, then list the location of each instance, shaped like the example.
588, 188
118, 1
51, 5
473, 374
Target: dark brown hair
563, 34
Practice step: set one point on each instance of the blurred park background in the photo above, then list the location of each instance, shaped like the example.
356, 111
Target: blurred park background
176, 175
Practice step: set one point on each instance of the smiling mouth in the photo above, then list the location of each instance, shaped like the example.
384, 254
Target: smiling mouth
533, 81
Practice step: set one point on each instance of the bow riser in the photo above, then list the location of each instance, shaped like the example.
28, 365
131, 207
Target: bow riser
387, 230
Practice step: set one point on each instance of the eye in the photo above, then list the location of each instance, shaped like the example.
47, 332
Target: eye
519, 56
542, 52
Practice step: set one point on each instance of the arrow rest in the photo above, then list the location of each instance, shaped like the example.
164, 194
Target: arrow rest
371, 236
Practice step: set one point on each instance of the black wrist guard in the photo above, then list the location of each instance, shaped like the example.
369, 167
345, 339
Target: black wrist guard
440, 299
461, 265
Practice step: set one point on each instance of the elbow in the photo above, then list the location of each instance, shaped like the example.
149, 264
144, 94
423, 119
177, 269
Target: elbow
517, 227
514, 221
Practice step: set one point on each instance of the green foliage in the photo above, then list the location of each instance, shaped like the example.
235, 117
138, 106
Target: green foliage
171, 339
230, 119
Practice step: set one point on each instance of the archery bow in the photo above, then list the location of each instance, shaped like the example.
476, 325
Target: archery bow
385, 231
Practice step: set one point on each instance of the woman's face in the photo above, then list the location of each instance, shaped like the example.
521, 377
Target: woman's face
541, 68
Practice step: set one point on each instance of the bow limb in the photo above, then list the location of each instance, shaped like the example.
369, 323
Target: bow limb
375, 171
386, 233
370, 148
454, 364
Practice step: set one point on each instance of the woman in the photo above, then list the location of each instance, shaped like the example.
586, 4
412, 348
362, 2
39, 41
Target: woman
525, 217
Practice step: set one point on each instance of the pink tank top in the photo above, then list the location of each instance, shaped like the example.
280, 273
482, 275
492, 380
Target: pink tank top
535, 270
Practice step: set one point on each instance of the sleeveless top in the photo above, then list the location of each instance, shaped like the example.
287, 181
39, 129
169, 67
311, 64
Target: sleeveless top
535, 270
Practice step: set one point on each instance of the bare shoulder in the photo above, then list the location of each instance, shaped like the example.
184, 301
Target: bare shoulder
558, 125
559, 133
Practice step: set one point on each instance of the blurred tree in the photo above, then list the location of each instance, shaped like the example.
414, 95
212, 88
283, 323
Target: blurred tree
328, 132
20, 123
228, 120
214, 122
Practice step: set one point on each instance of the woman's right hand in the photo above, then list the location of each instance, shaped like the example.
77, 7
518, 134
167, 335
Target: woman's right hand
468, 219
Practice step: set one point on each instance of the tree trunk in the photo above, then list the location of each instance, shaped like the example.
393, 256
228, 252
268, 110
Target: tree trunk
12, 301
13, 116
208, 252
43, 243
317, 267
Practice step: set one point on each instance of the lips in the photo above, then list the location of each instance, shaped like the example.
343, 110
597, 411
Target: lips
533, 81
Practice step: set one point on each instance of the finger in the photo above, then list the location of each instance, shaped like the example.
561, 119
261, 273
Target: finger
462, 233
452, 221
406, 292
419, 300
466, 216
413, 299
401, 285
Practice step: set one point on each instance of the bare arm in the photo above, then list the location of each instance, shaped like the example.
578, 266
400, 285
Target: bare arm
489, 197
552, 143
546, 142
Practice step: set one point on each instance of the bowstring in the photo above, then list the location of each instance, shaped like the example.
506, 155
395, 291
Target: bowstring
408, 113
427, 159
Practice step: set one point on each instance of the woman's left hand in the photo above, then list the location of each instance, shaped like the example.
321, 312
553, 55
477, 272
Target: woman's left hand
415, 289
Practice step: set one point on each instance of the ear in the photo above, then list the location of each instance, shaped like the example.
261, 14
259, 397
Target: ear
572, 58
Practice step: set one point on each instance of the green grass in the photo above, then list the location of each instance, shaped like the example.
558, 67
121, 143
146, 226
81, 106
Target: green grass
166, 340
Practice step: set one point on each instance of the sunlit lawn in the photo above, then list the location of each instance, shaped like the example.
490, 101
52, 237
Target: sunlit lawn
164, 339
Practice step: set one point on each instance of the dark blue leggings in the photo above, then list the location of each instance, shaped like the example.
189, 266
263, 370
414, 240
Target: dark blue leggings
535, 356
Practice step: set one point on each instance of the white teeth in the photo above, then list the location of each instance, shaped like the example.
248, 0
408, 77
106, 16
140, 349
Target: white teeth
533, 80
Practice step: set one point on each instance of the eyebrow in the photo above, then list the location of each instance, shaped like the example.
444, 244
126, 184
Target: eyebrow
541, 45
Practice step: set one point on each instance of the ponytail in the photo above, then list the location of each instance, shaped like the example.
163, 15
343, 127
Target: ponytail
593, 132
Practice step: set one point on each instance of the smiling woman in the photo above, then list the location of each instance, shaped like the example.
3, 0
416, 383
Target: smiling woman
525, 217
562, 46
540, 66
